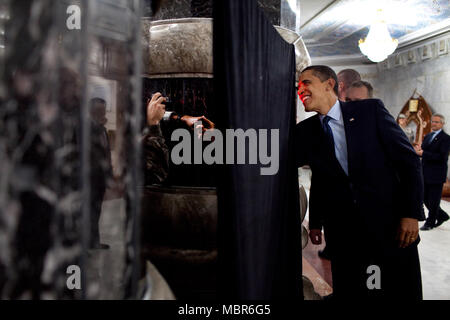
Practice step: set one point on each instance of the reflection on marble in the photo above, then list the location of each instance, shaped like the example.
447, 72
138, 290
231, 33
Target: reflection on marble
46, 185
302, 58
145, 43
191, 96
176, 9
184, 46
271, 9
201, 8
288, 17
179, 232
178, 46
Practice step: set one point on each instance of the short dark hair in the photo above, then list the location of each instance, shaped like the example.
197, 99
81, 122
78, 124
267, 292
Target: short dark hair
96, 104
324, 73
360, 84
97, 100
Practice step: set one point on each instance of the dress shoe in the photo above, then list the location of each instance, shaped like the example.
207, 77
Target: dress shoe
324, 254
441, 221
426, 227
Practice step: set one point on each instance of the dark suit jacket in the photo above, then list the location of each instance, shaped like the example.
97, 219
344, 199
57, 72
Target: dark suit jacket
100, 159
435, 157
385, 175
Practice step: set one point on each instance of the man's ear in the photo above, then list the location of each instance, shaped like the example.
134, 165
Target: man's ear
331, 83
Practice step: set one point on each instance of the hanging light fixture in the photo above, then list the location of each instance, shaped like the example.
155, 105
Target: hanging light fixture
378, 44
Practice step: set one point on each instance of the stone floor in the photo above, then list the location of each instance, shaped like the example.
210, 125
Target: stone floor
434, 252
105, 268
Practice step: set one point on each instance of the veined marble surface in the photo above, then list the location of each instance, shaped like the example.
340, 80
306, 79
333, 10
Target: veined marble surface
178, 46
184, 46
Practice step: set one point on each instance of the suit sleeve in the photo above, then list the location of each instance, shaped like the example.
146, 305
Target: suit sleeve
405, 161
439, 155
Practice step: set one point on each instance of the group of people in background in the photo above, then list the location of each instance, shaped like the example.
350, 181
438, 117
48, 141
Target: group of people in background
368, 185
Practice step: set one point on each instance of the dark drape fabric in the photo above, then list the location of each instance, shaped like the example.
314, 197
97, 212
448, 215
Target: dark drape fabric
259, 217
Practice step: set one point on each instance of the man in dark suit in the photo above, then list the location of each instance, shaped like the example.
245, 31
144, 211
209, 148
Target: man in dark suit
101, 168
364, 171
434, 153
357, 90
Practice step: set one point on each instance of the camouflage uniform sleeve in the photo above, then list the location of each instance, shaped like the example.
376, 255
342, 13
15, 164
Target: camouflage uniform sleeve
156, 155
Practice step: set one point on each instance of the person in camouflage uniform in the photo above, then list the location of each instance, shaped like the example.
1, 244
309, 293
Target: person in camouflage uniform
156, 152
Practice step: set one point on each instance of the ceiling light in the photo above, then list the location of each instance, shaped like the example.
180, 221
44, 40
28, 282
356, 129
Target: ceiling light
378, 44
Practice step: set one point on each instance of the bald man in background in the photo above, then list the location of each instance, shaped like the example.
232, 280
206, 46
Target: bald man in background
345, 78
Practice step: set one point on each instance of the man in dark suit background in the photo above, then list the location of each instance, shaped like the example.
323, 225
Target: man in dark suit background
345, 78
434, 153
364, 170
101, 167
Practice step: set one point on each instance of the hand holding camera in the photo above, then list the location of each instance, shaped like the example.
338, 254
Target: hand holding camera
155, 109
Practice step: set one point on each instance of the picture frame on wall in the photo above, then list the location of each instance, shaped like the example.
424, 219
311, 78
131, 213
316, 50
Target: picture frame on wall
398, 60
442, 47
426, 52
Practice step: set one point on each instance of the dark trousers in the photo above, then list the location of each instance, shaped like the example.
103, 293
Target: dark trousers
354, 254
432, 200
399, 273
97, 193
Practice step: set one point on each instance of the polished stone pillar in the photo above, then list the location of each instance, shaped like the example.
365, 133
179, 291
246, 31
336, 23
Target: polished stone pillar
57, 56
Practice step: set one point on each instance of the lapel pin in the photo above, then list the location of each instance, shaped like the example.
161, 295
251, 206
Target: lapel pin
352, 119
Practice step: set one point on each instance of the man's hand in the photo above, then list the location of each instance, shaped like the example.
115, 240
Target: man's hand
316, 236
206, 123
155, 109
408, 232
418, 150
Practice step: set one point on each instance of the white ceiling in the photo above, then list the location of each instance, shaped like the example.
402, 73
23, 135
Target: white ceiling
310, 8
332, 28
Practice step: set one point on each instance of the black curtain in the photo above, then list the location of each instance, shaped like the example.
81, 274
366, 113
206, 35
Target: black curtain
259, 217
